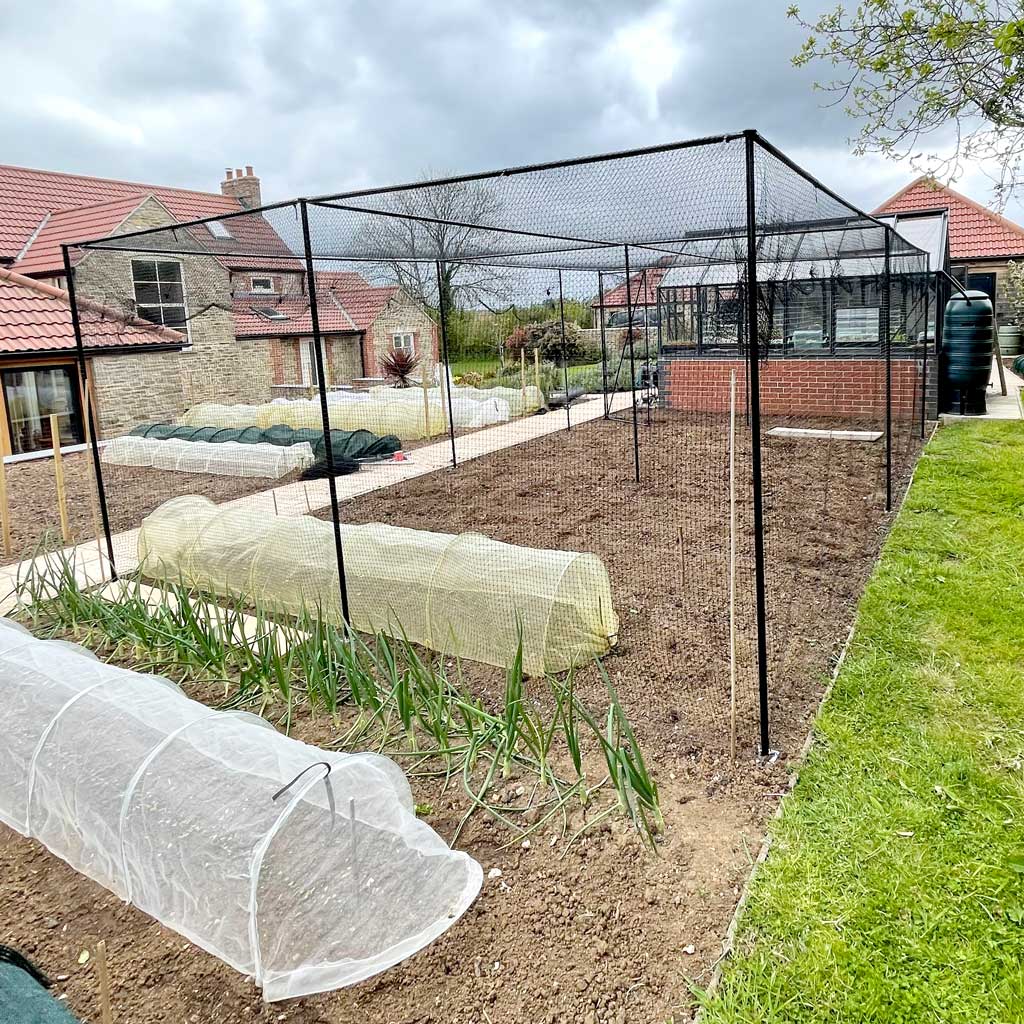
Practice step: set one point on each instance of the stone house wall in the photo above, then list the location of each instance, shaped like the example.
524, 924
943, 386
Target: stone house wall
214, 368
401, 315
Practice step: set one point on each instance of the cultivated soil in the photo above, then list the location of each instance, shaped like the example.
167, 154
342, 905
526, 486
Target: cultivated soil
132, 493
604, 929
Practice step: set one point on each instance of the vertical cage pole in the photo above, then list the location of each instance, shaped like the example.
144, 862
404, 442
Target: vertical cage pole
565, 354
632, 371
318, 359
924, 353
646, 285
604, 347
887, 327
442, 312
754, 406
86, 385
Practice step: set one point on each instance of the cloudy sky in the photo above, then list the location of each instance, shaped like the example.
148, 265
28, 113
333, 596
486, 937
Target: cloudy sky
322, 97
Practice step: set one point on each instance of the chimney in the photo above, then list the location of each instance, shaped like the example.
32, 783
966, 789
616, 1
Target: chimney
243, 187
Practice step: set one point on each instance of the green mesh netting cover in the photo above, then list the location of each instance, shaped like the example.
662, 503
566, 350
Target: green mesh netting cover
346, 445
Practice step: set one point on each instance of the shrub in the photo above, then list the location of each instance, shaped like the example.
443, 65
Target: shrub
398, 366
547, 336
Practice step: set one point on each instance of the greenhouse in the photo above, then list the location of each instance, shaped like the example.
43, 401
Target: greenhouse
462, 595
303, 868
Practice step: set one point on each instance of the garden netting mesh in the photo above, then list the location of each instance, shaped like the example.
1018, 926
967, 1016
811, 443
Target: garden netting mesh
304, 868
694, 363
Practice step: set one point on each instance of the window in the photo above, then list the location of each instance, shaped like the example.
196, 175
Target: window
405, 341
269, 313
32, 396
159, 293
217, 229
261, 285
857, 325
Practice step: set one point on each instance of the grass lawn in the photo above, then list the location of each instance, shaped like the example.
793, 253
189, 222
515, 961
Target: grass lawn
894, 891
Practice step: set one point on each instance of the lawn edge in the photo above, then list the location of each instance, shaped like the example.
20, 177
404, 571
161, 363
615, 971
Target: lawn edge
729, 941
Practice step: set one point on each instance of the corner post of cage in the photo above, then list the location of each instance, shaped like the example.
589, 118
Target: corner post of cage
632, 370
605, 397
442, 314
887, 328
754, 405
924, 350
86, 384
325, 413
565, 353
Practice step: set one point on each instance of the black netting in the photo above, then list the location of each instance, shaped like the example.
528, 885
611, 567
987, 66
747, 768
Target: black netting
567, 356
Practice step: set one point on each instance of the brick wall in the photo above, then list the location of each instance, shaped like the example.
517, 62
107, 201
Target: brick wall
840, 388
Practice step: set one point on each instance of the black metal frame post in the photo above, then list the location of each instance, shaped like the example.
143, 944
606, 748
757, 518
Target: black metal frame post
604, 347
442, 314
754, 405
924, 356
318, 358
887, 327
632, 372
565, 354
85, 381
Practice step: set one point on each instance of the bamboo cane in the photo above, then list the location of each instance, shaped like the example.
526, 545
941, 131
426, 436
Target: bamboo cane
426, 406
5, 508
58, 473
536, 367
103, 977
732, 563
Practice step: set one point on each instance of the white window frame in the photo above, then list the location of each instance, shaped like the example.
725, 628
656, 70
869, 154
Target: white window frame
404, 341
186, 328
253, 290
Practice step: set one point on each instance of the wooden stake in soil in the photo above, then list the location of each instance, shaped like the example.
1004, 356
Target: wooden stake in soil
5, 508
305, 491
426, 406
536, 367
273, 497
58, 472
103, 977
732, 563
522, 371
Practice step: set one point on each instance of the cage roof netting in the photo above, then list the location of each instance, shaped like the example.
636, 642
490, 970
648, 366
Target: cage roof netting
678, 205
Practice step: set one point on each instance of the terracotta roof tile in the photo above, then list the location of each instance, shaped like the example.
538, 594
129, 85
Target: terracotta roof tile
345, 302
43, 255
36, 317
643, 289
28, 195
975, 232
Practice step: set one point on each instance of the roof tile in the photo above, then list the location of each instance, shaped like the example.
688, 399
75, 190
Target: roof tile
36, 317
975, 232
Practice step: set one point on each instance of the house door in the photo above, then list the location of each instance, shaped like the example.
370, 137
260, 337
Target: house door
307, 361
983, 283
31, 396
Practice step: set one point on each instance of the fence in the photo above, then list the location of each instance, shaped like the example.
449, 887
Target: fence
569, 360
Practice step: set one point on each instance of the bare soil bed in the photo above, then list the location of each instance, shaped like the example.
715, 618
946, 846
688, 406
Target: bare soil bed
132, 492
607, 931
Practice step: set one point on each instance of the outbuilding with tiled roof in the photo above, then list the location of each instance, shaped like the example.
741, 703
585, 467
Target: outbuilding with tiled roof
981, 241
